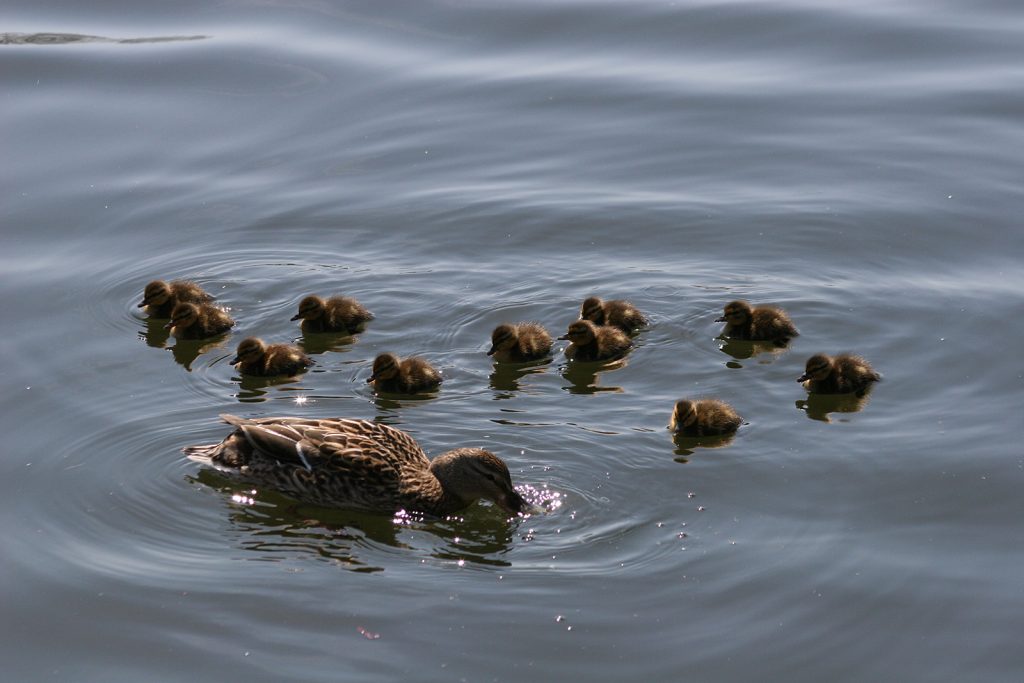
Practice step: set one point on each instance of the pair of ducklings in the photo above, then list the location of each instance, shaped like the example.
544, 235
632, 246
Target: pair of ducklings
189, 307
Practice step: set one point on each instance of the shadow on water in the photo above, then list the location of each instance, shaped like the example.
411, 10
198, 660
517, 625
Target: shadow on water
742, 350
583, 377
506, 376
253, 389
185, 351
69, 38
819, 406
321, 342
688, 445
156, 333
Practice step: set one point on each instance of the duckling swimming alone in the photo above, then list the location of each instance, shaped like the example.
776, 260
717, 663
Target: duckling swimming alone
358, 465
198, 321
591, 342
764, 323
617, 313
253, 357
160, 298
842, 374
336, 314
706, 417
410, 376
519, 343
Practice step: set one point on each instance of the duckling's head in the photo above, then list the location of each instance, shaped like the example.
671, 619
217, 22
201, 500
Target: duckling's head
592, 309
156, 293
684, 415
249, 349
385, 366
310, 308
819, 366
503, 337
183, 315
469, 474
736, 313
581, 332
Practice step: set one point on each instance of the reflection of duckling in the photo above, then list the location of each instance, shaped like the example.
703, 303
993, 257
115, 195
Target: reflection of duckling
842, 374
336, 314
519, 343
617, 313
160, 298
591, 342
198, 321
706, 417
763, 323
408, 376
256, 358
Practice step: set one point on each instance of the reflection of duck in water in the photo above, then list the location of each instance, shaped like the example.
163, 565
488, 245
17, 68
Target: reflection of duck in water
336, 314
359, 465
253, 357
160, 298
409, 376
198, 321
519, 343
843, 374
593, 343
706, 417
617, 313
763, 323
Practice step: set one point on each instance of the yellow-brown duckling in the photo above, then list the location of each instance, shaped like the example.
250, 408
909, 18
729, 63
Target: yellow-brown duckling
198, 321
617, 313
764, 323
159, 298
519, 343
336, 314
397, 376
253, 357
591, 342
706, 417
842, 374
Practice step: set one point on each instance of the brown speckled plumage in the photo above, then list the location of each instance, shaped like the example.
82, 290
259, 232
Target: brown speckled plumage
336, 314
591, 342
159, 298
617, 313
409, 376
253, 357
198, 321
519, 343
842, 374
764, 323
705, 417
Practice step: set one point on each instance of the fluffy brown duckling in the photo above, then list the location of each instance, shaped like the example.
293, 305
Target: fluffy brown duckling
409, 376
160, 298
519, 343
617, 313
253, 357
198, 321
706, 417
591, 342
764, 323
842, 374
336, 314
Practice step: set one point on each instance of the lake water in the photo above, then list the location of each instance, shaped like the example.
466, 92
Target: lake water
455, 165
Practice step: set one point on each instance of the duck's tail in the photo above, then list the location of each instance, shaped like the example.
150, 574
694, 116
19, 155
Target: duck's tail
201, 453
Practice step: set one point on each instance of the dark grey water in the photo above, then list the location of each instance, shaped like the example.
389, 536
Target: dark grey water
459, 164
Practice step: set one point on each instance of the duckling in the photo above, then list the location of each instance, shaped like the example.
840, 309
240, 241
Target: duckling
842, 374
198, 321
358, 465
519, 343
617, 313
336, 314
160, 298
410, 376
253, 357
764, 323
705, 417
591, 342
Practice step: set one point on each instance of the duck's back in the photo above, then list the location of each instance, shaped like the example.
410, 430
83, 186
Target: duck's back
213, 321
770, 324
345, 314
284, 359
852, 373
534, 342
623, 315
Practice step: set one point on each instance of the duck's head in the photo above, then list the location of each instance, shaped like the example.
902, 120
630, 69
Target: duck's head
469, 474
156, 293
249, 349
592, 309
735, 313
503, 337
683, 415
310, 308
819, 366
580, 332
385, 366
183, 315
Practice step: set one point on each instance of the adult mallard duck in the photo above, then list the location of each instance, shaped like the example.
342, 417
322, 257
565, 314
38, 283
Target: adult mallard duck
336, 314
591, 342
160, 298
253, 357
764, 323
617, 313
358, 465
842, 374
519, 343
706, 417
198, 321
409, 376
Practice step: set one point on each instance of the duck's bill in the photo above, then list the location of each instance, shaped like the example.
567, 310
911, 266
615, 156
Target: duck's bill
370, 379
720, 320
143, 303
492, 351
235, 361
169, 325
297, 316
564, 337
516, 504
803, 378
